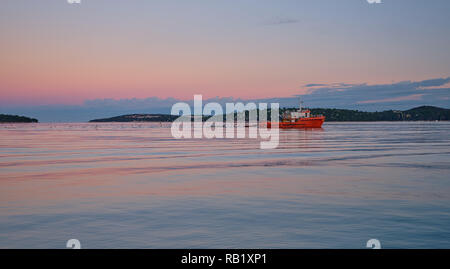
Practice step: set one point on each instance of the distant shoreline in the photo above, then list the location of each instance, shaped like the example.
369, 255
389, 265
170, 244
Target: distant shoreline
4, 118
422, 113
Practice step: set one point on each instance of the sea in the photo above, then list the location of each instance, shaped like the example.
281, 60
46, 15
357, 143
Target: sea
132, 185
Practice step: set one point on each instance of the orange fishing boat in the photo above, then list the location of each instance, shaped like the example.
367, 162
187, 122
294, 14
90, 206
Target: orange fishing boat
299, 119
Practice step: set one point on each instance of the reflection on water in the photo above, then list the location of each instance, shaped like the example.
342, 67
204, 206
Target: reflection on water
133, 186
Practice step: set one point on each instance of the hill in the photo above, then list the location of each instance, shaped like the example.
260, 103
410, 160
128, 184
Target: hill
139, 117
14, 118
423, 113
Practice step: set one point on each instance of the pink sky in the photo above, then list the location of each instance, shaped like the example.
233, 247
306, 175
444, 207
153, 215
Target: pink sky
55, 53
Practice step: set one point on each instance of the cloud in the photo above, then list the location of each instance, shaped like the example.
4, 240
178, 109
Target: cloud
441, 84
315, 85
402, 95
433, 82
278, 21
396, 99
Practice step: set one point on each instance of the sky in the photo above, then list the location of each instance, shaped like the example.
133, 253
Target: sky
71, 62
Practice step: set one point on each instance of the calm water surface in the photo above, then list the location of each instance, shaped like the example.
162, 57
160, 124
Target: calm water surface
134, 186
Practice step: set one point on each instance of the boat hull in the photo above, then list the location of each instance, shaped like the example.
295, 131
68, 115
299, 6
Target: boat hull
312, 122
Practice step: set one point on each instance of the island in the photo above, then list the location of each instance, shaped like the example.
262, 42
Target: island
422, 113
139, 117
15, 119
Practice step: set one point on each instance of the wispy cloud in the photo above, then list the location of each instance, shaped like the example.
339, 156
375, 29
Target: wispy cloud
398, 95
401, 95
443, 84
395, 99
278, 21
315, 85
